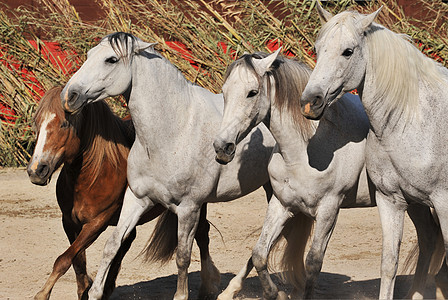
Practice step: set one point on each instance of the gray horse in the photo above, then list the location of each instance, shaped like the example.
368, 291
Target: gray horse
404, 94
172, 160
314, 170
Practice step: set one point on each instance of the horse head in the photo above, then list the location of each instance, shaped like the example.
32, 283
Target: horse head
341, 60
106, 72
57, 140
246, 102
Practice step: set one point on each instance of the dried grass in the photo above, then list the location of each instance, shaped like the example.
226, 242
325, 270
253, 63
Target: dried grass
200, 25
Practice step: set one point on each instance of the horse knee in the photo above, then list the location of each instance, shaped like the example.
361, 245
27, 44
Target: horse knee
183, 260
61, 265
259, 259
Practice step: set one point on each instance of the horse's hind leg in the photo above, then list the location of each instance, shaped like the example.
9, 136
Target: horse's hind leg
276, 217
427, 231
133, 208
82, 279
210, 276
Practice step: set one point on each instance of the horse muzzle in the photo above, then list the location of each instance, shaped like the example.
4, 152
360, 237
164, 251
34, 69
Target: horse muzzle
225, 152
312, 105
39, 173
72, 101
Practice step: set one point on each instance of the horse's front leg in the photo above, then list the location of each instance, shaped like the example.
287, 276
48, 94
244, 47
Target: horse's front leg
133, 208
276, 217
392, 219
236, 284
188, 219
324, 226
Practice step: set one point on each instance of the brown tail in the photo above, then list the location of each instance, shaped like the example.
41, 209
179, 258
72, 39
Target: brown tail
163, 242
297, 233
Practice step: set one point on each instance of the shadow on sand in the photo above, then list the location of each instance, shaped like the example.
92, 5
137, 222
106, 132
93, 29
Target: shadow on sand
330, 286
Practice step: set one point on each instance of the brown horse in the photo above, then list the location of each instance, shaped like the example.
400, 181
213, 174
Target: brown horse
93, 145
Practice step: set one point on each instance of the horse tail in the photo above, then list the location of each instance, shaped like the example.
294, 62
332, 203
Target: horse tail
297, 232
163, 241
437, 258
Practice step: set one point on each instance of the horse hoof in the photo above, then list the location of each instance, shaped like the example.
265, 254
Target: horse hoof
282, 296
41, 296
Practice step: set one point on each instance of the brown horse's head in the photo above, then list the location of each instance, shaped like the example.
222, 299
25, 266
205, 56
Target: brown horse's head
57, 140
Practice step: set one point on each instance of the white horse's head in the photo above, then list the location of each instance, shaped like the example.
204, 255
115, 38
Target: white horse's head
105, 73
246, 101
341, 59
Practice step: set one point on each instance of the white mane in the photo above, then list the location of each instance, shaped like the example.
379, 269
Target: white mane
397, 64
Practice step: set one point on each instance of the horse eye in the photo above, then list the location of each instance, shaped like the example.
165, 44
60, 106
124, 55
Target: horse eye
347, 52
65, 124
252, 93
112, 60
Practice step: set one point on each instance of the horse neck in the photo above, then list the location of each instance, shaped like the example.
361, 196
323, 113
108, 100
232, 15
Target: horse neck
292, 142
165, 106
393, 102
168, 89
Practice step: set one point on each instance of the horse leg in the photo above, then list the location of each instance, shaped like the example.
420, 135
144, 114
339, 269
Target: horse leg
210, 276
133, 208
442, 281
276, 217
324, 226
441, 210
392, 219
188, 219
70, 231
88, 234
109, 286
236, 284
427, 231
82, 279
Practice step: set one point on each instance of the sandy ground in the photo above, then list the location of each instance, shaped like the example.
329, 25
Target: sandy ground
31, 237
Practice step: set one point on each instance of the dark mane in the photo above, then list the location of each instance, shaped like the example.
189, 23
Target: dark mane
104, 136
290, 77
122, 43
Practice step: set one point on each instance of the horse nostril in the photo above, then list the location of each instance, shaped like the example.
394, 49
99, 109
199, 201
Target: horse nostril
42, 170
73, 96
229, 148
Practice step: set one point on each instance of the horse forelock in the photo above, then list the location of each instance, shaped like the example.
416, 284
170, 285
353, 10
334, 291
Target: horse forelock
122, 43
290, 78
50, 103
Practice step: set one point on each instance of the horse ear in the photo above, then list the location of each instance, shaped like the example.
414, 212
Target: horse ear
262, 65
142, 46
366, 21
324, 15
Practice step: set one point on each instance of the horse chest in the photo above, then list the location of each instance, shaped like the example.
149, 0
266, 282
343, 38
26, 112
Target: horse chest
403, 172
295, 187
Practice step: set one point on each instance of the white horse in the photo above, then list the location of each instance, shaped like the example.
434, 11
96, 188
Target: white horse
315, 168
404, 94
172, 160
